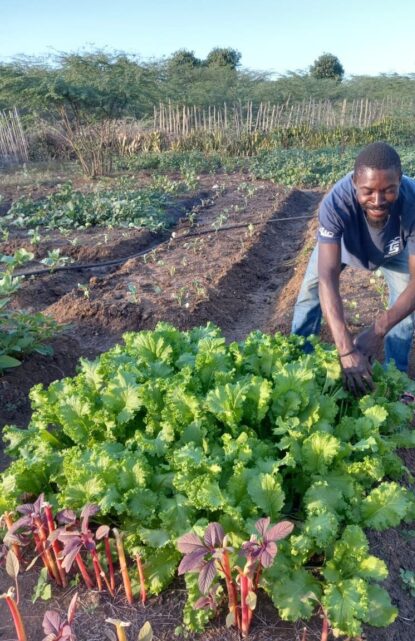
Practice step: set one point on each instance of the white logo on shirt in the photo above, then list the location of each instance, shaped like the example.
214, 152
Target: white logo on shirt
393, 246
325, 233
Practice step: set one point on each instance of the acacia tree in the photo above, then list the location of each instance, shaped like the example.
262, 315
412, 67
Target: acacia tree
223, 57
327, 66
183, 58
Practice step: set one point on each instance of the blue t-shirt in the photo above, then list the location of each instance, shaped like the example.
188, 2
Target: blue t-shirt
343, 221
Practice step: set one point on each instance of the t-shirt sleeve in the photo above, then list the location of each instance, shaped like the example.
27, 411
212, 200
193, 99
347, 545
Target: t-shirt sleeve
411, 241
330, 228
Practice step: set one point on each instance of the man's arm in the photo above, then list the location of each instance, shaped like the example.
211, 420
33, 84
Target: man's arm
370, 340
357, 376
329, 268
403, 306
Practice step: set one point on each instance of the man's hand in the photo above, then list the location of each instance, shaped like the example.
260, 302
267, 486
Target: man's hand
369, 342
357, 373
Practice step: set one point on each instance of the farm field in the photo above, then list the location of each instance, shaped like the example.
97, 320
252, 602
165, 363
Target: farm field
233, 253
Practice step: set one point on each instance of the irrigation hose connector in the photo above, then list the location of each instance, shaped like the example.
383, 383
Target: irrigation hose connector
173, 237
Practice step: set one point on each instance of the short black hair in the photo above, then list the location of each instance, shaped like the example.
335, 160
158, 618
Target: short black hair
378, 155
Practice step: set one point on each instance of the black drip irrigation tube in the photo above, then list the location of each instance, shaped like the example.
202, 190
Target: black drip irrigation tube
120, 261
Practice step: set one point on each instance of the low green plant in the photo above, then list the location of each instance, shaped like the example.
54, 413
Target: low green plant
379, 285
54, 259
408, 578
20, 332
124, 205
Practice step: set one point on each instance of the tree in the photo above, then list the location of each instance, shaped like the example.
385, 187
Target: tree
183, 57
327, 66
226, 57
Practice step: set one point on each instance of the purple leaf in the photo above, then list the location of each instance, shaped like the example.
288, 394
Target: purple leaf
51, 622
50, 637
262, 525
189, 543
203, 602
68, 537
214, 535
206, 576
66, 633
102, 531
24, 520
66, 517
69, 557
10, 538
26, 508
72, 608
192, 561
87, 511
279, 531
268, 554
38, 504
54, 535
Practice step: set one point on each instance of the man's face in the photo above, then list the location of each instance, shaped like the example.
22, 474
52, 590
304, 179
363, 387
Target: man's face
376, 191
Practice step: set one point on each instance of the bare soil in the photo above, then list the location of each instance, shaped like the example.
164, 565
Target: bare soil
243, 278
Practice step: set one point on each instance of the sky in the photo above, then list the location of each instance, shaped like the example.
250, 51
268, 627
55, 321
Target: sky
272, 35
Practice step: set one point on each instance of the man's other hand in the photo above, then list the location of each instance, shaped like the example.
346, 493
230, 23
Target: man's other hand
369, 342
357, 373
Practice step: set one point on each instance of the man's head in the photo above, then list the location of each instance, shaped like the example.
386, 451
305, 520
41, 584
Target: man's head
377, 176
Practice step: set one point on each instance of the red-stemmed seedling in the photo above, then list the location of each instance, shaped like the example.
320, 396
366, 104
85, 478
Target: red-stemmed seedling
12, 595
208, 557
9, 596
103, 533
211, 558
7, 519
34, 522
260, 553
123, 565
140, 569
76, 540
57, 628
67, 520
54, 543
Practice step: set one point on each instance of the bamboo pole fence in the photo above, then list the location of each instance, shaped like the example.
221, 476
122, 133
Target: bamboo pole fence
173, 118
13, 143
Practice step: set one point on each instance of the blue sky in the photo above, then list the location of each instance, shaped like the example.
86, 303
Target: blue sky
275, 35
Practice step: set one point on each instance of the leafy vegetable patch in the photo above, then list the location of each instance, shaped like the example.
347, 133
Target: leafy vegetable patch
175, 430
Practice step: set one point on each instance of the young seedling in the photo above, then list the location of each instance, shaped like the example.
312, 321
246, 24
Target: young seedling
103, 533
119, 627
34, 520
210, 558
55, 545
123, 566
16, 616
58, 629
7, 520
74, 541
67, 518
260, 553
140, 569
54, 259
133, 291
85, 290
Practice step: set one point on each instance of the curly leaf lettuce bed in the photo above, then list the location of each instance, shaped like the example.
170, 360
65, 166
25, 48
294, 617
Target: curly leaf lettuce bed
175, 429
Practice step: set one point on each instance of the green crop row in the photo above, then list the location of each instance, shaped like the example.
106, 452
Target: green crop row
123, 205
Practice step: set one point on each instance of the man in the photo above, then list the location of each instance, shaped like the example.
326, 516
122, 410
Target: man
367, 221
